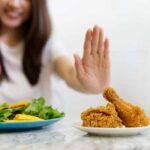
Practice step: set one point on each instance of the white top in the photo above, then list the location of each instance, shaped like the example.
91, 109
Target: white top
18, 88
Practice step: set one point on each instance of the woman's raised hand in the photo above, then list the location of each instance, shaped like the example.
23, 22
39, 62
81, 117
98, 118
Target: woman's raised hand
93, 70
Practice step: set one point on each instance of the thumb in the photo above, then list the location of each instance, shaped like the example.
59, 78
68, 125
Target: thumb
78, 65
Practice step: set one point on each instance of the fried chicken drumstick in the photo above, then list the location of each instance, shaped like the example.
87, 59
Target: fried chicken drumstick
131, 115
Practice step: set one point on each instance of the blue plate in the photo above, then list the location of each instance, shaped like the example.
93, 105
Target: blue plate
28, 124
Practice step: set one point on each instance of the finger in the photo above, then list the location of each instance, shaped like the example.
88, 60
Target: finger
106, 48
87, 43
95, 39
106, 59
79, 66
100, 42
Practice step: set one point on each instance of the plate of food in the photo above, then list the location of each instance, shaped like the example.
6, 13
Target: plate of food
28, 115
118, 117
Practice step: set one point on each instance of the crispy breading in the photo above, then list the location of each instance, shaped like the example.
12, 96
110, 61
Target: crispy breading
102, 116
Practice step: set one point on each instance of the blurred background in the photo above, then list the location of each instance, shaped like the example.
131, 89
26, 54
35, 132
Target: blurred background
127, 24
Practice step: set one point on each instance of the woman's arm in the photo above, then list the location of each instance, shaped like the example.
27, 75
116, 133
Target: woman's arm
91, 74
66, 70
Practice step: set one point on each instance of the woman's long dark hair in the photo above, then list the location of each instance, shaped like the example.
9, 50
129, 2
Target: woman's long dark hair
37, 30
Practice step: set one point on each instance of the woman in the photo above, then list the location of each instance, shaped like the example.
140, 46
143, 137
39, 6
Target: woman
29, 53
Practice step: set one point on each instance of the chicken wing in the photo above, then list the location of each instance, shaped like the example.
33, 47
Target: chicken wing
131, 115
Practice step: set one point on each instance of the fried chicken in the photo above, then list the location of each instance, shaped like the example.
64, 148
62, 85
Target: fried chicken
131, 115
105, 117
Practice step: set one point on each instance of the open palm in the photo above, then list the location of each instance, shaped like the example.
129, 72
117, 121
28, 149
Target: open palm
93, 70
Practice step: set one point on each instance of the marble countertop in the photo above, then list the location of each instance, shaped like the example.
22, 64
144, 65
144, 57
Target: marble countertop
62, 136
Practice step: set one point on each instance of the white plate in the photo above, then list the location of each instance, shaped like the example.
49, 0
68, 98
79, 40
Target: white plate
112, 131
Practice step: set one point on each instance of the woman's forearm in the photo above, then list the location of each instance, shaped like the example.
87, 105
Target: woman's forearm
73, 82
66, 70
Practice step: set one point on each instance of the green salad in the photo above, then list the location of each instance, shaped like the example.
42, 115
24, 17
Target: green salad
29, 111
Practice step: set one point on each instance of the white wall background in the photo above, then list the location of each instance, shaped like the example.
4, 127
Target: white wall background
127, 24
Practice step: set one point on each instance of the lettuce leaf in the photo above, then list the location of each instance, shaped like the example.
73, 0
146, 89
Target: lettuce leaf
4, 106
7, 114
37, 108
4, 114
34, 107
48, 113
